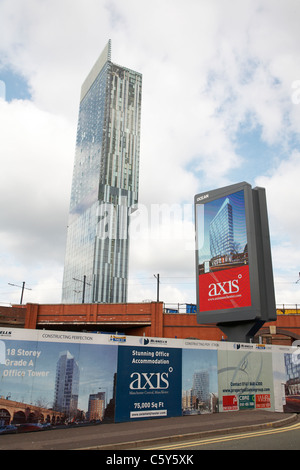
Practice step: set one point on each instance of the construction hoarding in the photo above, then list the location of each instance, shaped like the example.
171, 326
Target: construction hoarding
103, 378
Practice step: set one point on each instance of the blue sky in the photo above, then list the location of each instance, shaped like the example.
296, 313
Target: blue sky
221, 83
14, 86
199, 360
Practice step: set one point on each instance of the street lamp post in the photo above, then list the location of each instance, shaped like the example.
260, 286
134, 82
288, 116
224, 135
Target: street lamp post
22, 291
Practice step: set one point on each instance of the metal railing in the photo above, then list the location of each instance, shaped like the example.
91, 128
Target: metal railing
287, 309
282, 309
179, 308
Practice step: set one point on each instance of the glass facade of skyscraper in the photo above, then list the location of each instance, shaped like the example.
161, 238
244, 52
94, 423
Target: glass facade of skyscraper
201, 385
105, 184
66, 384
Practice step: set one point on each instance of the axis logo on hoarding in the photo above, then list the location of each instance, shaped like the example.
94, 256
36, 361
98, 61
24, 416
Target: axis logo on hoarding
148, 382
153, 381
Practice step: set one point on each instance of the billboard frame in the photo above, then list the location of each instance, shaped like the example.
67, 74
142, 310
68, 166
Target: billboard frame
261, 282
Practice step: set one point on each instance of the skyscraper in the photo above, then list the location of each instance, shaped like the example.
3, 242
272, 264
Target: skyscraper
105, 184
201, 385
96, 406
221, 231
66, 384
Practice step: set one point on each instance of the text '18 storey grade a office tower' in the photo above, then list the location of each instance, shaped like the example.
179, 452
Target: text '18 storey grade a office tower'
105, 184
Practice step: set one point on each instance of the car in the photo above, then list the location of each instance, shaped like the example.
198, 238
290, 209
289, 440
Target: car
8, 429
30, 427
46, 425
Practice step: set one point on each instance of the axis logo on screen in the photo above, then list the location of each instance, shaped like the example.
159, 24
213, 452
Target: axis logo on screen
224, 288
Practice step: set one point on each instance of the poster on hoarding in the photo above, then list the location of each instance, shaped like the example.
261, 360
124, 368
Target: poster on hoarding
65, 381
199, 381
292, 382
52, 377
245, 378
148, 382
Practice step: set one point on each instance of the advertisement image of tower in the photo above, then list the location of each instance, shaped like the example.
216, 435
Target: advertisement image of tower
199, 399
201, 385
105, 184
221, 234
66, 385
226, 234
96, 406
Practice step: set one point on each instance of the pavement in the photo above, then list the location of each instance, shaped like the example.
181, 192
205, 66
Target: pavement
141, 434
144, 434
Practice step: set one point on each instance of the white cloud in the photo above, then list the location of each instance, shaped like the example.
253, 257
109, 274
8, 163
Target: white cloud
2, 90
35, 181
37, 159
283, 191
283, 196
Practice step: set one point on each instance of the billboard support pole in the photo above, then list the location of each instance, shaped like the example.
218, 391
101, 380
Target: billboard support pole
241, 332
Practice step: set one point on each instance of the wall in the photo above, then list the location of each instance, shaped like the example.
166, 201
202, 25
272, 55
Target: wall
147, 319
95, 316
12, 316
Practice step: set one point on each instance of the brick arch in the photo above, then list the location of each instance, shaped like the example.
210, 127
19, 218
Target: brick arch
19, 417
5, 416
280, 332
21, 412
290, 334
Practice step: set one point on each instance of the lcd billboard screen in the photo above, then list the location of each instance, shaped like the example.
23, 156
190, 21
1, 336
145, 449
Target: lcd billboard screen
223, 262
228, 232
